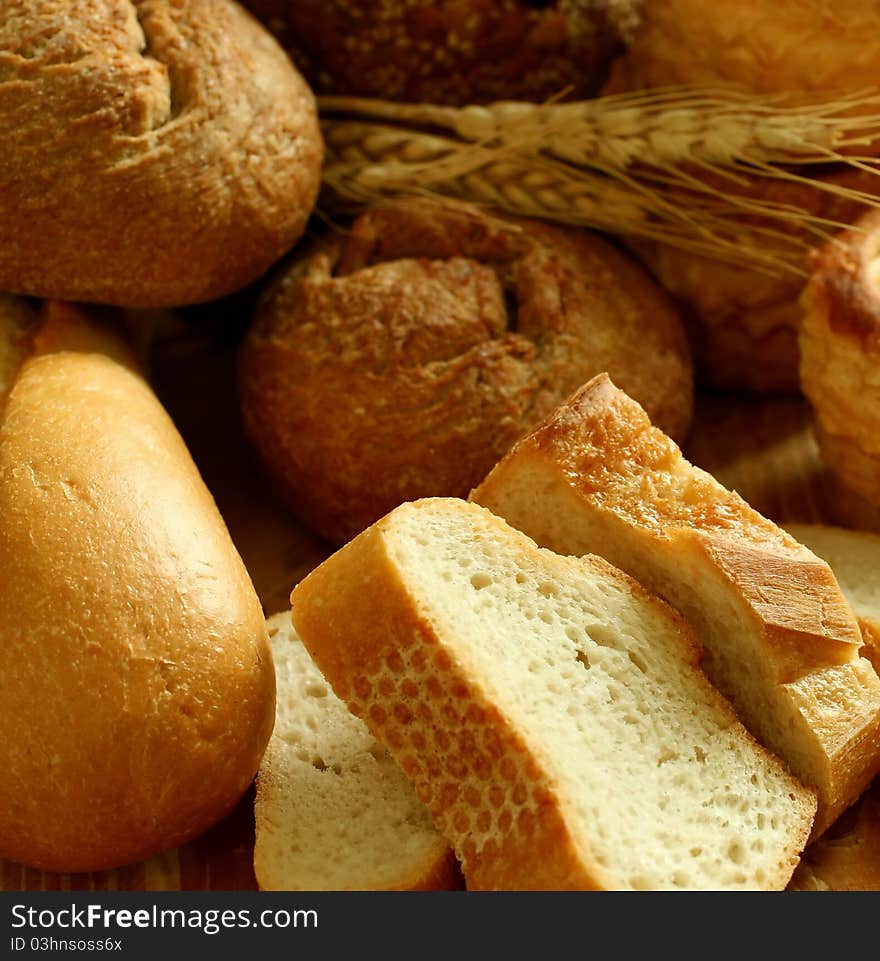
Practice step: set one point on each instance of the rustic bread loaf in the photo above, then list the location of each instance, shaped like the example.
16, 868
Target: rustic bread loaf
451, 51
549, 710
136, 682
780, 639
840, 348
403, 359
333, 810
854, 556
154, 153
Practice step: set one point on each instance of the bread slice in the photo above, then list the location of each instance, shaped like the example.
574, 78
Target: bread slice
549, 710
333, 810
779, 638
854, 556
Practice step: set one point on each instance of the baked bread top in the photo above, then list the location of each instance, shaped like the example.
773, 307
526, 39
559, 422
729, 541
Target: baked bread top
403, 359
154, 153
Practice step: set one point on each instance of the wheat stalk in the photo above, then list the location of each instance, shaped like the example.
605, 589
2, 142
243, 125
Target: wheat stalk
646, 164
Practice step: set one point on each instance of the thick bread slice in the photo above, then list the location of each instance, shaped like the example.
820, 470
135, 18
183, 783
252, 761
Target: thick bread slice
549, 710
334, 812
779, 638
854, 556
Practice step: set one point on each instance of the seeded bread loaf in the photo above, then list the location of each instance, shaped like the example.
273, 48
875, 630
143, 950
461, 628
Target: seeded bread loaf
333, 810
550, 712
780, 639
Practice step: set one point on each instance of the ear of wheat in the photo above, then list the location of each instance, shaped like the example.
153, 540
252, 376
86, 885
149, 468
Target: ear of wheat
667, 164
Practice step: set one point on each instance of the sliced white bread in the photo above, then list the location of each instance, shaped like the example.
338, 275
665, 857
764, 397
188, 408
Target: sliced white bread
333, 811
549, 710
779, 637
854, 556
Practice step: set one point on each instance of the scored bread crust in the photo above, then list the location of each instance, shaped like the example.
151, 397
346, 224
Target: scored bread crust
854, 557
840, 349
136, 682
155, 153
333, 811
486, 778
780, 639
403, 359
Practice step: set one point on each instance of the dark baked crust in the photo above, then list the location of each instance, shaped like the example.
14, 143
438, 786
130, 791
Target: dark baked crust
403, 360
153, 154
450, 51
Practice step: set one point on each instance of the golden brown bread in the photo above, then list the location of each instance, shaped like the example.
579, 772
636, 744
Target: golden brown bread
840, 348
404, 359
136, 682
743, 324
780, 639
450, 51
154, 153
789, 45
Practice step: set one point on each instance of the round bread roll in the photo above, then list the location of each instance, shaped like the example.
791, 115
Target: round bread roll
840, 367
788, 45
743, 323
136, 682
451, 51
154, 153
404, 359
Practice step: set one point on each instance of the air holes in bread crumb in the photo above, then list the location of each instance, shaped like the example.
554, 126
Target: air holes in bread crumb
316, 689
584, 659
480, 580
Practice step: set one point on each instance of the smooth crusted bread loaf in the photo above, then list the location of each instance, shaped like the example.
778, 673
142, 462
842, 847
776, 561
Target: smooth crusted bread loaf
840, 349
550, 712
402, 359
854, 556
780, 639
333, 810
154, 153
136, 681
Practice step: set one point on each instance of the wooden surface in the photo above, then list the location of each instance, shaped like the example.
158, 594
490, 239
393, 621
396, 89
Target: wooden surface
763, 448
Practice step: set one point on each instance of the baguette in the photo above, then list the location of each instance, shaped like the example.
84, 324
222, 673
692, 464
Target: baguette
779, 638
333, 811
550, 712
136, 682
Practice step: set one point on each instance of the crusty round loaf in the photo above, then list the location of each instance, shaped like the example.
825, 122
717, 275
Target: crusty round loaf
797, 45
451, 51
840, 366
404, 359
136, 681
743, 323
154, 153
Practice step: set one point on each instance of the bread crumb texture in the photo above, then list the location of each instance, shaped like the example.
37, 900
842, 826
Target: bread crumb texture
553, 718
333, 809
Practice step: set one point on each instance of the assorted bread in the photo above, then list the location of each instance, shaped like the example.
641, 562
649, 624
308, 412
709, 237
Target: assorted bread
403, 358
155, 153
602, 671
550, 712
779, 637
136, 682
333, 810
